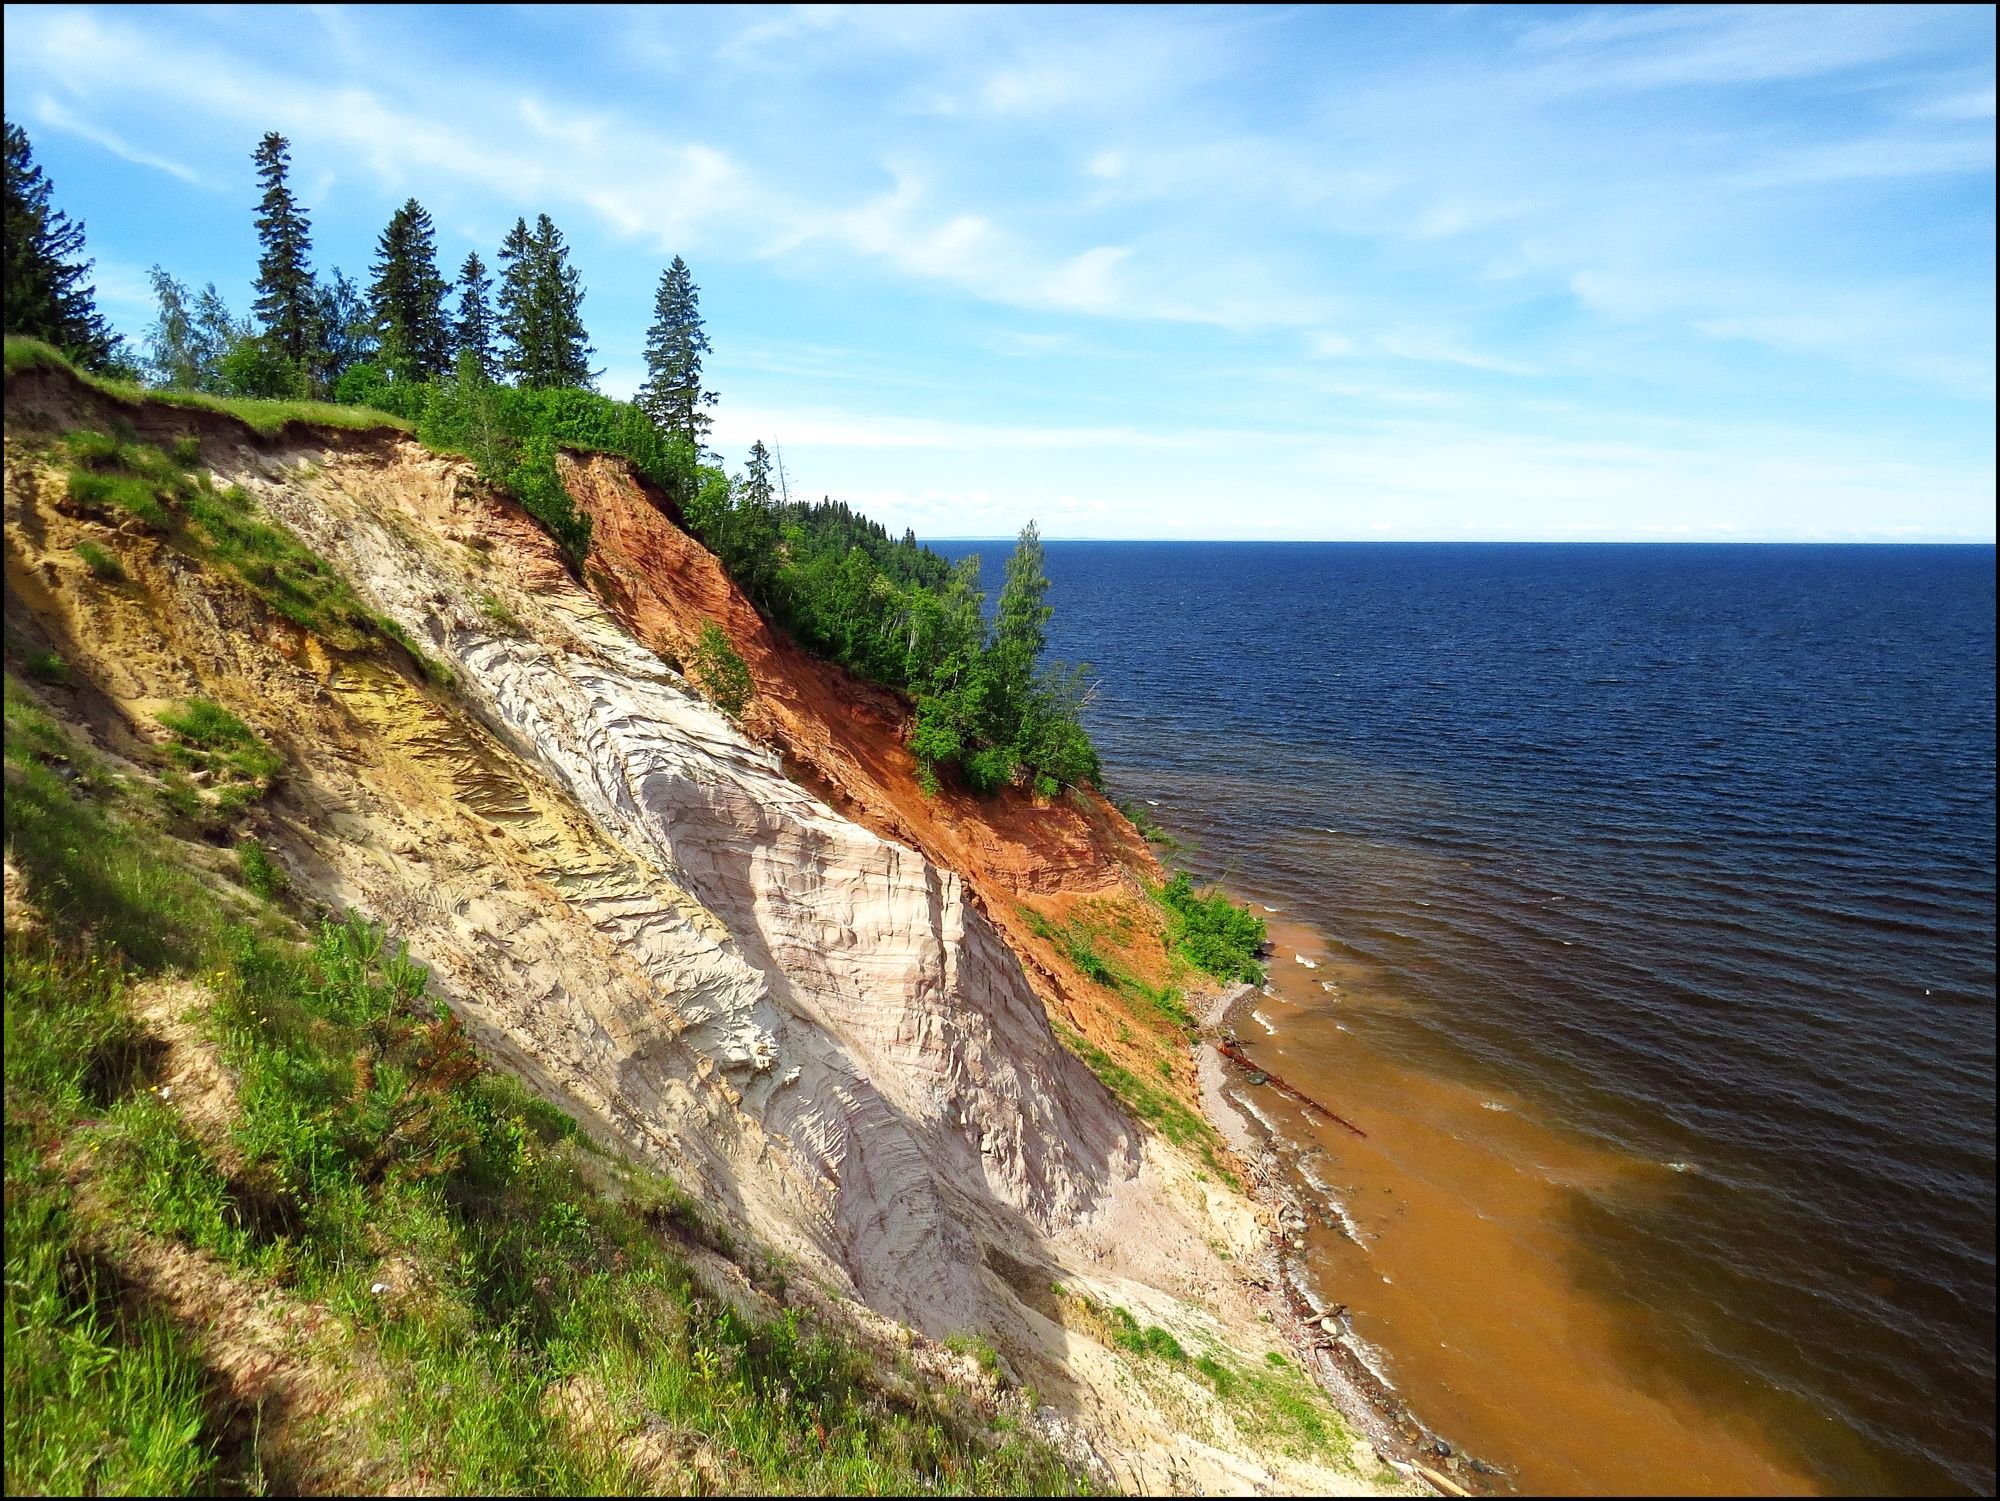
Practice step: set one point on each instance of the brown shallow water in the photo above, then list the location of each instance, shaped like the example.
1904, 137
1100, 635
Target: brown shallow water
1463, 1278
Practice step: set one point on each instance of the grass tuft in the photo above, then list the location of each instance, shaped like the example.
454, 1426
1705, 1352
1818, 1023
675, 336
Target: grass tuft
102, 564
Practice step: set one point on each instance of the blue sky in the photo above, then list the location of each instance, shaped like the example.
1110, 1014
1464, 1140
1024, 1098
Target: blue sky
1676, 274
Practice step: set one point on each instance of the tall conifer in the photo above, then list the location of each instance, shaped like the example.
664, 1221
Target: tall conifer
559, 301
474, 333
407, 296
672, 395
1020, 628
286, 304
542, 339
520, 335
46, 293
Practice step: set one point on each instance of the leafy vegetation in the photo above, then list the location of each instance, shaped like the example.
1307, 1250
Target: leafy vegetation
1141, 818
1212, 932
720, 671
486, 1262
1080, 940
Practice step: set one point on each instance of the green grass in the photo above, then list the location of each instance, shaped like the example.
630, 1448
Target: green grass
102, 564
47, 666
1159, 1108
109, 476
260, 874
371, 1145
498, 615
977, 1346
1079, 940
266, 417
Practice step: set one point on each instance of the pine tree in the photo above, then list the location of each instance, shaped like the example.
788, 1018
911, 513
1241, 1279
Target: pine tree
46, 294
407, 296
286, 303
672, 395
474, 334
520, 335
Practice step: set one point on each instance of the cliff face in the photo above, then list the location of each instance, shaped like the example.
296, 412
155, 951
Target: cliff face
794, 991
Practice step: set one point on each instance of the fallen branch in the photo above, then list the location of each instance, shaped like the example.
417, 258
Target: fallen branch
1229, 1049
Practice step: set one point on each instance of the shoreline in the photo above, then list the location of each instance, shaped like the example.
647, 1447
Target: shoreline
1317, 1335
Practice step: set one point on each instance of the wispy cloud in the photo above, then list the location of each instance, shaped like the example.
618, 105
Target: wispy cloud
50, 113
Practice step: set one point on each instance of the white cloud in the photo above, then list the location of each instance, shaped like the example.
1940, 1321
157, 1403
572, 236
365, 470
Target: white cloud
50, 113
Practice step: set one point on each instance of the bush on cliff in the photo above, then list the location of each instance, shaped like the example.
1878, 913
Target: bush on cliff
1216, 936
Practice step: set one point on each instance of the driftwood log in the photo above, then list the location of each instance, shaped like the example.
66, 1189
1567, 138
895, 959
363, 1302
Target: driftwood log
1229, 1049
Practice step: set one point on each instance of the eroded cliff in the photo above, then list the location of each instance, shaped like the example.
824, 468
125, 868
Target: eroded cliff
753, 954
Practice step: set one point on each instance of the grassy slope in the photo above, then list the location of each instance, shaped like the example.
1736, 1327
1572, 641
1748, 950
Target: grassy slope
23, 354
366, 1145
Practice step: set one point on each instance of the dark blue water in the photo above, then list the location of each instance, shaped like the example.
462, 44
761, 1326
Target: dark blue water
1692, 845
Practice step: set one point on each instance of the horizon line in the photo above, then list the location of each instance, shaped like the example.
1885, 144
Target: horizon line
1499, 541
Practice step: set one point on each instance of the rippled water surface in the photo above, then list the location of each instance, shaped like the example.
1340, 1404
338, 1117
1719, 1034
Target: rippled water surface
1687, 850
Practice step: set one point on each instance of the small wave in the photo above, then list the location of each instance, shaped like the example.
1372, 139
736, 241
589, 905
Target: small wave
1268, 907
1262, 1119
1308, 963
1492, 1105
1329, 987
1265, 1022
1152, 802
1682, 1167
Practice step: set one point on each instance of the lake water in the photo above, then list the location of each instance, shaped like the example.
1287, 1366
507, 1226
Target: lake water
1639, 902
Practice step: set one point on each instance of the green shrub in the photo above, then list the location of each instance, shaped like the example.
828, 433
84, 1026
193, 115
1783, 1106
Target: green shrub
720, 672
102, 564
185, 451
260, 873
987, 771
1217, 936
48, 667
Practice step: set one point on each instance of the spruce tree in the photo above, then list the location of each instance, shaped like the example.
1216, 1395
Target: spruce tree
46, 293
474, 333
559, 304
757, 477
521, 356
542, 340
672, 395
1020, 623
407, 296
286, 302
